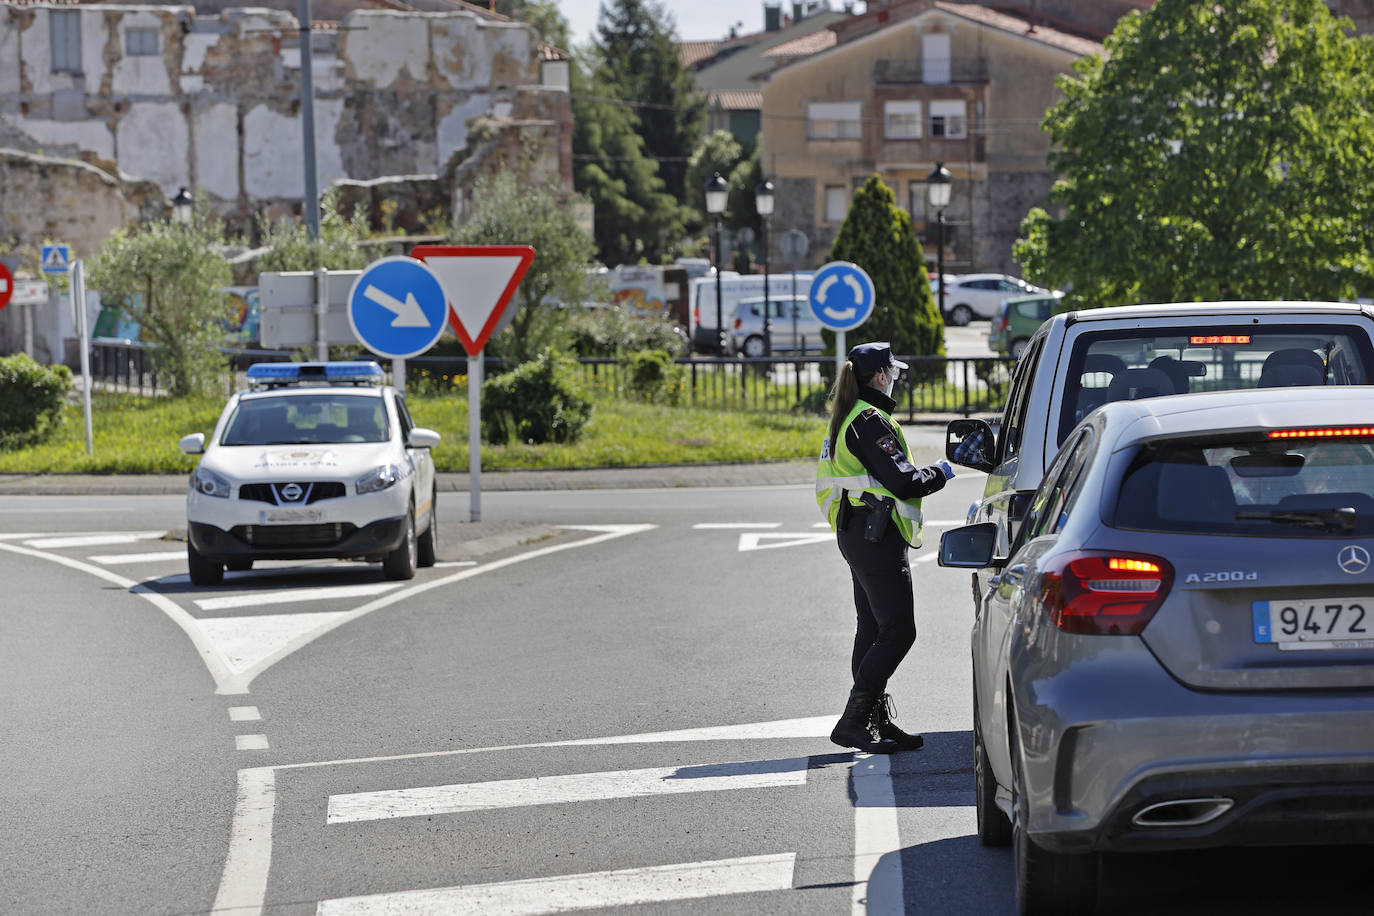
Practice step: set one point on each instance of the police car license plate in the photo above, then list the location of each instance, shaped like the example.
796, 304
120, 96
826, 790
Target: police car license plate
289, 516
1315, 623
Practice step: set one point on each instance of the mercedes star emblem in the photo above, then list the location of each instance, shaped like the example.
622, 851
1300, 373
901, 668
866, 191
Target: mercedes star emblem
1353, 559
292, 492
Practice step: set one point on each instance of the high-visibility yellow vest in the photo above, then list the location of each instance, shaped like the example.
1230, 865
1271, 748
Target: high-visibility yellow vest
840, 469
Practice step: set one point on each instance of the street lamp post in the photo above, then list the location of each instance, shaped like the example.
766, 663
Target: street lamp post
717, 195
938, 185
763, 203
183, 206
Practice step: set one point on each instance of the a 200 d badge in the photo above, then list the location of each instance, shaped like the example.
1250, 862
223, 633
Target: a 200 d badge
1224, 575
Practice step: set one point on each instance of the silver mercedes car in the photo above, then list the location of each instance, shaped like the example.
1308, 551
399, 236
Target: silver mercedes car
1178, 651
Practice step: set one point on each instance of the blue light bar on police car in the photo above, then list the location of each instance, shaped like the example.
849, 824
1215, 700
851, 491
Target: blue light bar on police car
284, 373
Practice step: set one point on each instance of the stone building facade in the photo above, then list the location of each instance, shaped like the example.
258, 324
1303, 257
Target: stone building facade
213, 103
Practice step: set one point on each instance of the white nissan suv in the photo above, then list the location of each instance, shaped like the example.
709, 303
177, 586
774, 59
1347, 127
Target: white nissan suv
314, 460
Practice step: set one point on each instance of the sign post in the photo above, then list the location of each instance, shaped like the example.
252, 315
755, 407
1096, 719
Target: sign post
78, 291
480, 283
842, 298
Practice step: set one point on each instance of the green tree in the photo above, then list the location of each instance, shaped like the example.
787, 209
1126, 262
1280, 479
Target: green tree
544, 15
504, 212
876, 235
636, 218
636, 42
718, 151
1214, 151
168, 276
291, 248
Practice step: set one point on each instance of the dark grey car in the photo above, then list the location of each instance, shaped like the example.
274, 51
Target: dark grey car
1178, 650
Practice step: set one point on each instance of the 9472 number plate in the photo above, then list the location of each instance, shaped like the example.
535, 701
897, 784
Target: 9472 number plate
1315, 623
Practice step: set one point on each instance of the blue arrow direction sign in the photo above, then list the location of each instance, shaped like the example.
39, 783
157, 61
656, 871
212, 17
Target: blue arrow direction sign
397, 308
56, 259
841, 296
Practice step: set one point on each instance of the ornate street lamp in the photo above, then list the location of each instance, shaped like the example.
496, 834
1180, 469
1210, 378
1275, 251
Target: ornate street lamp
183, 206
717, 196
938, 186
763, 203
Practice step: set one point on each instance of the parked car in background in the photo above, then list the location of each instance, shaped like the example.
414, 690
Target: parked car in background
314, 460
1017, 319
973, 296
795, 327
734, 287
1178, 649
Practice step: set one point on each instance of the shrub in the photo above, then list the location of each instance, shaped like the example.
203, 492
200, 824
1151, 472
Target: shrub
615, 330
31, 399
652, 376
541, 401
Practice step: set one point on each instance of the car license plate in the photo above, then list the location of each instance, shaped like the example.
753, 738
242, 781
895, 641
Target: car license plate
289, 516
1315, 623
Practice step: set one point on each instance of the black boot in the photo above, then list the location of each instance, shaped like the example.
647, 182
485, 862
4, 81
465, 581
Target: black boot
883, 711
856, 728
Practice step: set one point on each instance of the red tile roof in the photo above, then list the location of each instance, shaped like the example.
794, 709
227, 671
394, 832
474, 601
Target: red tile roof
1040, 33
804, 46
694, 52
737, 101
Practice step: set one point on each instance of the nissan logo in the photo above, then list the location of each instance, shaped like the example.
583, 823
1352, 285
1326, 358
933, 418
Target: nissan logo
1353, 559
292, 492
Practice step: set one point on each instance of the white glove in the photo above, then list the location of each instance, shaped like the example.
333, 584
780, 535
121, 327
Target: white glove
946, 467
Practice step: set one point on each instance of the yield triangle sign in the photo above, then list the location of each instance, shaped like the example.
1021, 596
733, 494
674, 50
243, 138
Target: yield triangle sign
479, 282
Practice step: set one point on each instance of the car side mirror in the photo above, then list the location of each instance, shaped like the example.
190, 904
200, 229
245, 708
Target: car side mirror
423, 438
1019, 504
970, 443
193, 444
968, 547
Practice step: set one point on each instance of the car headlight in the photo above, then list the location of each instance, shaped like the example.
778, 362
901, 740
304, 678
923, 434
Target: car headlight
377, 479
209, 483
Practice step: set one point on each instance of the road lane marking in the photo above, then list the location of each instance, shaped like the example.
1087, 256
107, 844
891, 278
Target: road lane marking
926, 558
292, 595
245, 641
451, 563
591, 890
725, 526
96, 539
557, 790
115, 559
877, 887
250, 742
244, 714
754, 540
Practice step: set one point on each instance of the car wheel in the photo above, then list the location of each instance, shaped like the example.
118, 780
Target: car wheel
203, 570
428, 550
960, 316
239, 565
1047, 882
753, 347
994, 828
1018, 346
401, 562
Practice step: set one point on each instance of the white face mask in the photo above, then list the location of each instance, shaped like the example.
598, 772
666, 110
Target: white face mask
889, 381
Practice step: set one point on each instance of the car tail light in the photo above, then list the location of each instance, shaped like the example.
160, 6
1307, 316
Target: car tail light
739, 322
1321, 432
1105, 594
696, 315
1006, 320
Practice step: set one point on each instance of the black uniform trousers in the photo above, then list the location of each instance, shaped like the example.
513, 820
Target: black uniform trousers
883, 600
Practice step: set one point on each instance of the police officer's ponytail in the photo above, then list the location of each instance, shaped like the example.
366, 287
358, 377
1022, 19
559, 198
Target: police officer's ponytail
844, 394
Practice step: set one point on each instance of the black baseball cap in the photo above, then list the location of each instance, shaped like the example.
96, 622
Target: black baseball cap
872, 357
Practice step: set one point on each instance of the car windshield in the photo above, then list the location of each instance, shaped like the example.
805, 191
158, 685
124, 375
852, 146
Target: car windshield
1149, 362
1252, 485
307, 418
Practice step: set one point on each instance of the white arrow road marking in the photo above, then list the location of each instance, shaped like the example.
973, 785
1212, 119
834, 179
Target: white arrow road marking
719, 526
557, 790
115, 559
753, 540
593, 890
231, 682
408, 314
292, 595
93, 539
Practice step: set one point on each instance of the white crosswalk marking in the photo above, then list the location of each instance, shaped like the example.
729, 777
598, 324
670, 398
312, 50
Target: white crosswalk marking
566, 893
115, 559
93, 539
552, 790
292, 595
726, 526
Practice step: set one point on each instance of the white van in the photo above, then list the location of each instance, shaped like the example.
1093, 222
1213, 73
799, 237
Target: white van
733, 289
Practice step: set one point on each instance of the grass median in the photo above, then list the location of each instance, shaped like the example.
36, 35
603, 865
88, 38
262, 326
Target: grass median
139, 435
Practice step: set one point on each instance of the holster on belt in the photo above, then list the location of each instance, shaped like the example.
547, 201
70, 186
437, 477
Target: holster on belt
842, 518
879, 515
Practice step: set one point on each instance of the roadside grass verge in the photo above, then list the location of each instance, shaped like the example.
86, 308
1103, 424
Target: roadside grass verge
139, 435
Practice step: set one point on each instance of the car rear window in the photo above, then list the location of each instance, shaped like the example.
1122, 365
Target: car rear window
1251, 485
307, 418
1138, 363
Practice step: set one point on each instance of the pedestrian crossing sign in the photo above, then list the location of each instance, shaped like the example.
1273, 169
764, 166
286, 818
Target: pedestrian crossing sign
56, 259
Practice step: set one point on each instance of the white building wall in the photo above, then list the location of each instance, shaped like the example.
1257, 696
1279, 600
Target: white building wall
9, 54
217, 150
91, 135
141, 75
153, 141
386, 46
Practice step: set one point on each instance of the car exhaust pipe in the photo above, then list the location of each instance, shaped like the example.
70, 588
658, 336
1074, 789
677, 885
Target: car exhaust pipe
1182, 812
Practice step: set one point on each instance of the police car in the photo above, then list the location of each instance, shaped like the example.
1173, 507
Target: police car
314, 460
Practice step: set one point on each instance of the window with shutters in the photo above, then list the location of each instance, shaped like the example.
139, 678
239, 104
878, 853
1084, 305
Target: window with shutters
64, 31
141, 42
836, 203
833, 121
902, 120
947, 119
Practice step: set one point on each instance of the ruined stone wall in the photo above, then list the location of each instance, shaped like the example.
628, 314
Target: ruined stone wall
46, 198
218, 107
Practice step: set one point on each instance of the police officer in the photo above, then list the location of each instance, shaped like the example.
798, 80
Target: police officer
871, 493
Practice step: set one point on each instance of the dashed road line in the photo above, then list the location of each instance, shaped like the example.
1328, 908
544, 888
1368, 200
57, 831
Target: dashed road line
250, 742
244, 714
96, 539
